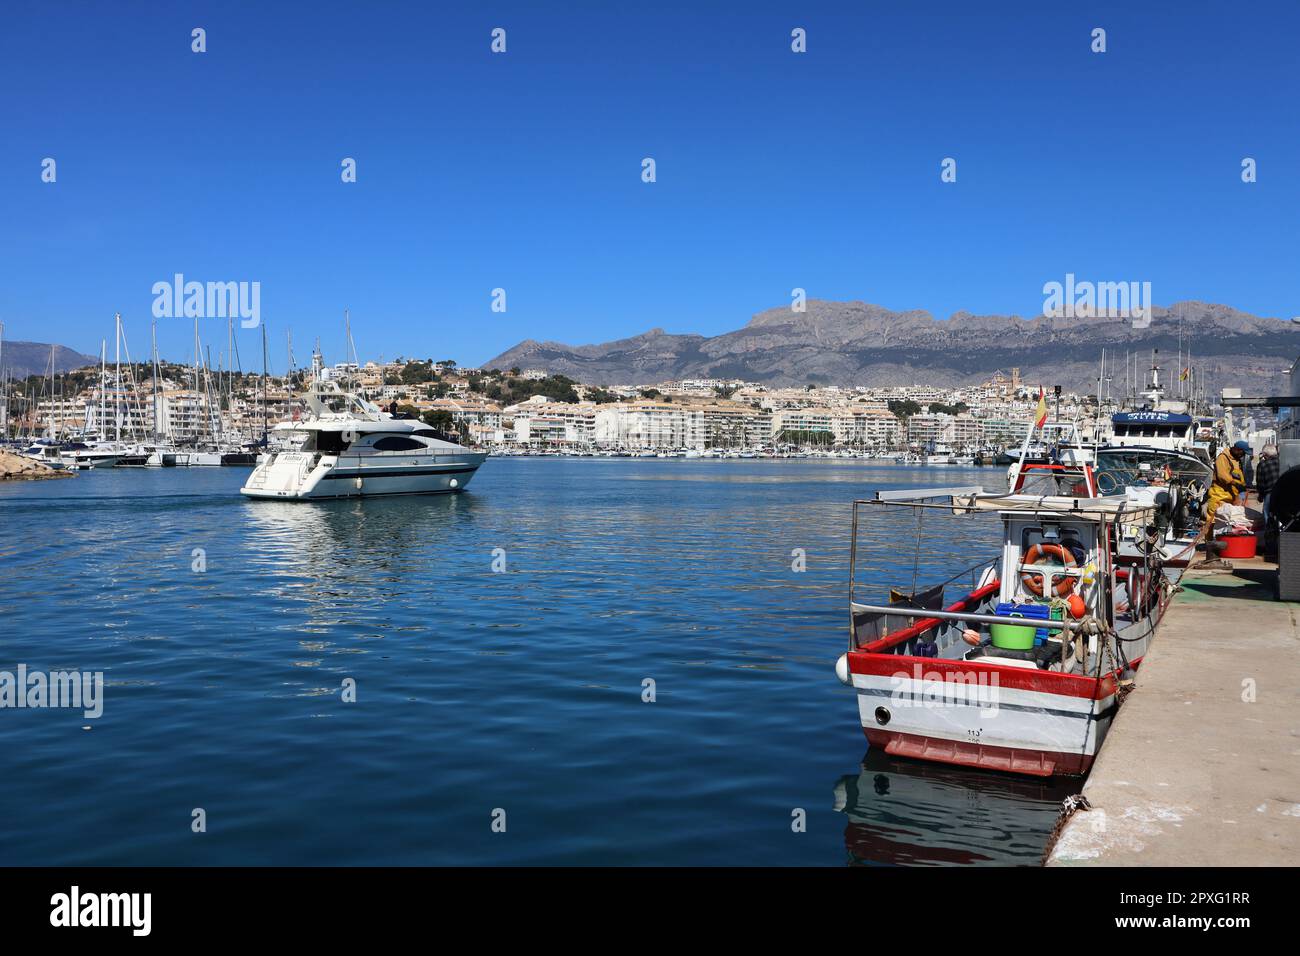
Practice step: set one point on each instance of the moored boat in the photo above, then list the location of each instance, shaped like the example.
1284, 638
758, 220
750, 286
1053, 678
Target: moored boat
968, 682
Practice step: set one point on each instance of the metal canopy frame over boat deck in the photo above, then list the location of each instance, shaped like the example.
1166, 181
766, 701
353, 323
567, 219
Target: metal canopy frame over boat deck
968, 500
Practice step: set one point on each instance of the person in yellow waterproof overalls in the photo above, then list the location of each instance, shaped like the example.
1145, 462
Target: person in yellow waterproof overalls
1229, 483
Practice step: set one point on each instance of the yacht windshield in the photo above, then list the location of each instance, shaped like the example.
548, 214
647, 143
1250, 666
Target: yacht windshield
1118, 469
1054, 482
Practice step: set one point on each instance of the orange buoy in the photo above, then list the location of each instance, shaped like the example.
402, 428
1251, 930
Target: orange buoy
1032, 556
1077, 607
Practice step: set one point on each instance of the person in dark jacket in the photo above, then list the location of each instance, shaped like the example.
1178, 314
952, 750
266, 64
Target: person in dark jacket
1266, 475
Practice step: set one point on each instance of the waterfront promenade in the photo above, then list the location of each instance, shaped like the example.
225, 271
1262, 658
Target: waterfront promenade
1202, 765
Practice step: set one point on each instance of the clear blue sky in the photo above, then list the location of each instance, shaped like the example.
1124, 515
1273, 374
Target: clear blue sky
522, 170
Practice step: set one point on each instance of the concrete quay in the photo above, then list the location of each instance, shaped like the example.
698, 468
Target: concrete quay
1202, 764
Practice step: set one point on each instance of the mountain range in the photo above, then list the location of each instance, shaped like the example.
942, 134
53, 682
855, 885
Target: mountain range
20, 359
856, 343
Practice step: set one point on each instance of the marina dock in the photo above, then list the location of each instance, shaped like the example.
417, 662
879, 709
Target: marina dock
1202, 764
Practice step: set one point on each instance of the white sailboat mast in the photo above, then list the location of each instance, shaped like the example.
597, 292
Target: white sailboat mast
103, 391
117, 376
4, 388
153, 358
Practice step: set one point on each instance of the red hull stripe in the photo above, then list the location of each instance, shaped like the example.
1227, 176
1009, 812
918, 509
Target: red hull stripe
1016, 678
1034, 763
919, 627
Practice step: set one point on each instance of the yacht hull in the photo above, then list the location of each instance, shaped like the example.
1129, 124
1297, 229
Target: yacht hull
296, 477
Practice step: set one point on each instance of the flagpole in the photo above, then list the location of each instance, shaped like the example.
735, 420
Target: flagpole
1040, 413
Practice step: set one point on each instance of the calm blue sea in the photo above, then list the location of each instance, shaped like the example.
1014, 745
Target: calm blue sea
476, 690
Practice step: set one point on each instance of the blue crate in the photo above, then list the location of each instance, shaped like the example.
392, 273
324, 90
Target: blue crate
1040, 611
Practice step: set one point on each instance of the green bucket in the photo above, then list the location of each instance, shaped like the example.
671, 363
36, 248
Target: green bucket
1013, 637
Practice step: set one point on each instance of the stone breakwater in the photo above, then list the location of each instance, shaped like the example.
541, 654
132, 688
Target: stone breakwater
17, 467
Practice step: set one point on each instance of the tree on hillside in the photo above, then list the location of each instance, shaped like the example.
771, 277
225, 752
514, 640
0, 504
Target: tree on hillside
439, 419
904, 408
415, 373
942, 409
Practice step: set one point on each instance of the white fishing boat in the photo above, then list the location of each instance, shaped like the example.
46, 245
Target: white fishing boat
347, 447
938, 454
1176, 482
191, 458
47, 452
82, 456
971, 682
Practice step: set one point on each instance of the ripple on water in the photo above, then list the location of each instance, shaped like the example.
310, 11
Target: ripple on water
476, 690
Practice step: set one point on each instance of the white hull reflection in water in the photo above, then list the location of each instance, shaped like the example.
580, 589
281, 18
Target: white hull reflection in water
908, 813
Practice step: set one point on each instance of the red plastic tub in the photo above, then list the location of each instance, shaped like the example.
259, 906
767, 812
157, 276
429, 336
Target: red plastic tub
1237, 545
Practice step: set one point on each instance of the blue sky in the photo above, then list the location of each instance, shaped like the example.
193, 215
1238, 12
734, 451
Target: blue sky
523, 170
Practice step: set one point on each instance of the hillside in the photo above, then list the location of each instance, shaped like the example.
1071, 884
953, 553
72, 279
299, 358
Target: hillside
855, 343
33, 358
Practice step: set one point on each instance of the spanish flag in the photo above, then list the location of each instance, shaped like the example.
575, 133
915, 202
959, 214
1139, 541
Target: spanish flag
1040, 415
1183, 377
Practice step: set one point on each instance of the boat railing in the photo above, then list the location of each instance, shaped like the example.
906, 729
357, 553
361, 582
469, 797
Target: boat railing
906, 549
903, 536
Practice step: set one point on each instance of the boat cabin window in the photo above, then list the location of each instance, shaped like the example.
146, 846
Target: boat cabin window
397, 443
1148, 430
327, 443
1069, 536
1118, 469
1056, 482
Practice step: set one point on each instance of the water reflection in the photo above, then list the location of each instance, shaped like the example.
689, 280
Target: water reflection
227, 681
910, 813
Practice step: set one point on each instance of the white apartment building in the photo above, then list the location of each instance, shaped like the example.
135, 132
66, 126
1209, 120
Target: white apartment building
181, 416
876, 427
699, 386
963, 431
1000, 431
922, 429
736, 425
804, 420
650, 424
540, 429
576, 420
64, 416
921, 394
471, 411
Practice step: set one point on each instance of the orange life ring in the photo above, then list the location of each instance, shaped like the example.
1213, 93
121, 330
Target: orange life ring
1032, 581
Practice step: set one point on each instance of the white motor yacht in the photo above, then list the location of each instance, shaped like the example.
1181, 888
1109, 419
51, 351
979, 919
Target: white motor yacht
46, 451
347, 447
82, 456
